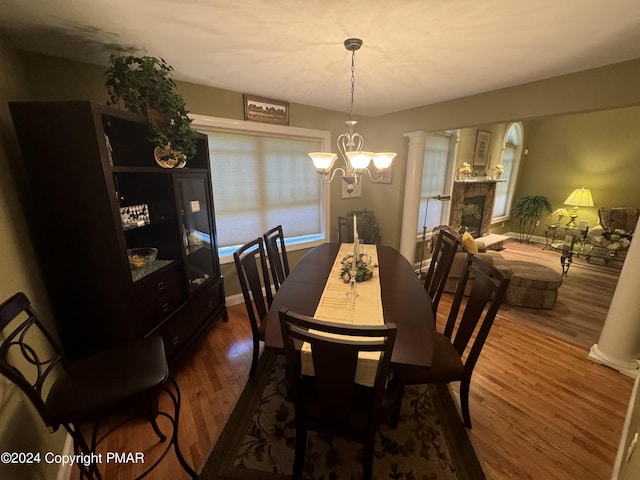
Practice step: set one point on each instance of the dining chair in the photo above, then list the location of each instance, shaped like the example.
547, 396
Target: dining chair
79, 396
450, 363
277, 255
345, 230
330, 401
365, 229
251, 265
446, 245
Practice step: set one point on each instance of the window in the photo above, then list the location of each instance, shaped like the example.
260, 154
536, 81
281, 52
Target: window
511, 154
263, 177
436, 179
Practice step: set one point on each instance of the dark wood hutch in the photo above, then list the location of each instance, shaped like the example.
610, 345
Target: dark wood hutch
94, 191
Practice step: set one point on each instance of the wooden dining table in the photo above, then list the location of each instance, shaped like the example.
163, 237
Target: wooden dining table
404, 301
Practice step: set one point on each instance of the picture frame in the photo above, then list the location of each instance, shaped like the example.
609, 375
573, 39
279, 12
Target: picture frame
265, 110
387, 174
481, 151
357, 190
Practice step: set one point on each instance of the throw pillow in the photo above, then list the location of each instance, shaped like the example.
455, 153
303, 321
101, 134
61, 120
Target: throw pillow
469, 243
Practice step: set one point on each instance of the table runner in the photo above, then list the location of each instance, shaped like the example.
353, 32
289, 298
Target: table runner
366, 309
334, 304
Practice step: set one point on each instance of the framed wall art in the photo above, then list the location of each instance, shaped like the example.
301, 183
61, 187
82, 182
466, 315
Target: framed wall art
266, 110
356, 193
386, 174
481, 152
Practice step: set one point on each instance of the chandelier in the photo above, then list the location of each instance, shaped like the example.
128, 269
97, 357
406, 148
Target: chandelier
350, 144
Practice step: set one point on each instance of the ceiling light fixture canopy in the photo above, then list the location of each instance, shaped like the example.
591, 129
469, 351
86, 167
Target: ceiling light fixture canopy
350, 144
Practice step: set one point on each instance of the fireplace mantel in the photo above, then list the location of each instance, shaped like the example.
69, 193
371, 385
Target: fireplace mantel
480, 180
469, 188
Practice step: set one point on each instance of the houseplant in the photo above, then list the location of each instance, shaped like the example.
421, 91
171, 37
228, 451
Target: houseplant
529, 209
143, 85
371, 228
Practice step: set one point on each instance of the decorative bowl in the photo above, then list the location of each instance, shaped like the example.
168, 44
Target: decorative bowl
140, 257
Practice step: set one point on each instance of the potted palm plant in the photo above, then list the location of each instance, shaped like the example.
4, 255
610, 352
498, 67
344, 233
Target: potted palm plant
143, 85
529, 209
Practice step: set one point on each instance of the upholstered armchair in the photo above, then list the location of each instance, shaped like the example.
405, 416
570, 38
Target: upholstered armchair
608, 242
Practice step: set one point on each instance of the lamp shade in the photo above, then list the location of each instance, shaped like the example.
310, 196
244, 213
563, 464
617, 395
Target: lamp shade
383, 160
323, 160
580, 197
359, 159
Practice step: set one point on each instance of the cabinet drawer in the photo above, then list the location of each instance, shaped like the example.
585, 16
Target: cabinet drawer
158, 284
205, 302
153, 313
179, 328
170, 331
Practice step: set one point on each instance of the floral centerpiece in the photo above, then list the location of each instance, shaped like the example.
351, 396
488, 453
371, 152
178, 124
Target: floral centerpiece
464, 169
560, 212
498, 170
364, 267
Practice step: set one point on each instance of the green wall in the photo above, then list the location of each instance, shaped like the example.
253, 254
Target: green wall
599, 151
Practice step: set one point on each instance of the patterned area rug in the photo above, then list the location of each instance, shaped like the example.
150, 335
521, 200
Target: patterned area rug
257, 442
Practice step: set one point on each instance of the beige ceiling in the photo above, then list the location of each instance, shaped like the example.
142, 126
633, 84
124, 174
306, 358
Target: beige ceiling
415, 52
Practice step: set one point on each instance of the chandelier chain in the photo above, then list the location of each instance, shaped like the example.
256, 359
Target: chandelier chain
350, 144
353, 82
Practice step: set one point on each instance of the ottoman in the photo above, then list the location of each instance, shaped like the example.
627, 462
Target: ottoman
532, 285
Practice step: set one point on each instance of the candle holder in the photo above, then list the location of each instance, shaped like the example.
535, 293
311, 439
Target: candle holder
352, 293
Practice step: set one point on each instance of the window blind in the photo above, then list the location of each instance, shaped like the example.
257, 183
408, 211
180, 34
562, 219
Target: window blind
434, 179
260, 181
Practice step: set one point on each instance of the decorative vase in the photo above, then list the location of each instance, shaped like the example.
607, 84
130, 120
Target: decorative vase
166, 157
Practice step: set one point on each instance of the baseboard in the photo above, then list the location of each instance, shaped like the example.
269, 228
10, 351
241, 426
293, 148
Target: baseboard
534, 238
237, 299
234, 300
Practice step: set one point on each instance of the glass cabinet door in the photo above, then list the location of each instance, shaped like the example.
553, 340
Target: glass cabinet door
149, 220
197, 236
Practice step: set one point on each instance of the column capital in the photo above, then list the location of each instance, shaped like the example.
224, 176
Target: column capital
415, 137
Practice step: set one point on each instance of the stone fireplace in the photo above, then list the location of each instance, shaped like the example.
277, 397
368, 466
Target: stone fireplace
472, 205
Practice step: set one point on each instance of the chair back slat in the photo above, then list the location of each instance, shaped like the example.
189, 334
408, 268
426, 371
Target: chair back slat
485, 296
277, 255
335, 367
345, 230
253, 276
445, 247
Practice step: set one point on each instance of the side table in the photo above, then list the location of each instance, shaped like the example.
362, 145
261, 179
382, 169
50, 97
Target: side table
550, 235
572, 243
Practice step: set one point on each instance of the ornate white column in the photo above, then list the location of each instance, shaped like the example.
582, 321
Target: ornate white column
619, 343
412, 187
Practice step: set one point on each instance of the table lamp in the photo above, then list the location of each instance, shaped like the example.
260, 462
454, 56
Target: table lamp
580, 197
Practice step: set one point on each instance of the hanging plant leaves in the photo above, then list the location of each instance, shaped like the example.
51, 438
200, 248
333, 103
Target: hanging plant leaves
143, 85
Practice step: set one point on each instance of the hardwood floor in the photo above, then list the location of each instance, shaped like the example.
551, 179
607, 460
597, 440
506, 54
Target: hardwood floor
583, 298
540, 408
